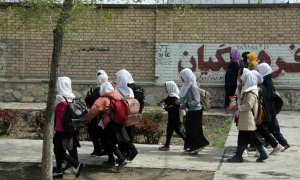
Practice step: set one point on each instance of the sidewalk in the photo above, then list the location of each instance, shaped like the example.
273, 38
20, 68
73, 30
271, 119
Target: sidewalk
282, 166
23, 150
285, 165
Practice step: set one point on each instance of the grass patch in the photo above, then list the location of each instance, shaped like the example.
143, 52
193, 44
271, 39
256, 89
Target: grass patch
216, 129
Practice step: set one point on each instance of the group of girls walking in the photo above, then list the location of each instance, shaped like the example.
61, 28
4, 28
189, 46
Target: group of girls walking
112, 139
177, 103
254, 80
107, 137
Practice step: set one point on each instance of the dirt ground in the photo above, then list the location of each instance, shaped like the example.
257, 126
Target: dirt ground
215, 129
32, 171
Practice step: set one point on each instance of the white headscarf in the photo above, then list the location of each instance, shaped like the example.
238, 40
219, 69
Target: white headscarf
105, 88
122, 87
64, 89
101, 77
172, 89
250, 81
246, 70
189, 78
264, 69
260, 79
129, 76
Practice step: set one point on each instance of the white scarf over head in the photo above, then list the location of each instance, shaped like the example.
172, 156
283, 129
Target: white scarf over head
260, 79
101, 77
122, 87
250, 81
246, 70
64, 89
172, 89
189, 79
264, 69
105, 88
129, 76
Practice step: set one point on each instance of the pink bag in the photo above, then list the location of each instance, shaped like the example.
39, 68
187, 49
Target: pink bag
133, 112
133, 106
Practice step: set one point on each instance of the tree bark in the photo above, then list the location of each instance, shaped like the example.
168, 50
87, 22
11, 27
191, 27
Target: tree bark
58, 35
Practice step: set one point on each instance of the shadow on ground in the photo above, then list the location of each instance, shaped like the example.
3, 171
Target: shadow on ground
10, 171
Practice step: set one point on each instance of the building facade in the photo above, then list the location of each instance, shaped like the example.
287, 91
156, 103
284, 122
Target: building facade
154, 43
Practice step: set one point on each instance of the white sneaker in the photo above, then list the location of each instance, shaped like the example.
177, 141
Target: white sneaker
71, 170
57, 175
245, 154
277, 149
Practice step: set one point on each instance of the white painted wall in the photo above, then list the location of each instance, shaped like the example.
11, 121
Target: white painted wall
169, 54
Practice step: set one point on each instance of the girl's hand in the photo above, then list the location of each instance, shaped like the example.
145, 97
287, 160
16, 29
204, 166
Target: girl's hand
183, 106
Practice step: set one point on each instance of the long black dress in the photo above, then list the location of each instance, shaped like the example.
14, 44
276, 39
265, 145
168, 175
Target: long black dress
231, 81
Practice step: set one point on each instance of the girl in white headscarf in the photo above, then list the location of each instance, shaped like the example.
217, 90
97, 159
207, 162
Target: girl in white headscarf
122, 86
127, 74
93, 93
173, 114
113, 133
138, 91
189, 79
190, 99
262, 129
266, 71
63, 140
247, 112
94, 130
259, 77
64, 89
101, 77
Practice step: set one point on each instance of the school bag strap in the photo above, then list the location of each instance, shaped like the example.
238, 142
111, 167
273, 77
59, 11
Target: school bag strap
77, 111
260, 117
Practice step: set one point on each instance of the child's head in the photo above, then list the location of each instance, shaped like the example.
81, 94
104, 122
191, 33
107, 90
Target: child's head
63, 85
171, 88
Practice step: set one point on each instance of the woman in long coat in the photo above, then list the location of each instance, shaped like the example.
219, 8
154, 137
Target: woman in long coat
248, 110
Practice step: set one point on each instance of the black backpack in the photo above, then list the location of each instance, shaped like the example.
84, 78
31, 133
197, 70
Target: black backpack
72, 116
139, 94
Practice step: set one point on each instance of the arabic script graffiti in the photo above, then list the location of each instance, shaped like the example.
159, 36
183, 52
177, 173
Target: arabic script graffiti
222, 63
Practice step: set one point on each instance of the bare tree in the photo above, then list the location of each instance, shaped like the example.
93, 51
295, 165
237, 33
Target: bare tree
58, 36
34, 13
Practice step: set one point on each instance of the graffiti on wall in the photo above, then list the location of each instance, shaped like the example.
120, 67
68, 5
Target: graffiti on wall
209, 61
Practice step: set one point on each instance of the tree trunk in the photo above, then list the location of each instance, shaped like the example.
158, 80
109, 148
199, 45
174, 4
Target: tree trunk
58, 35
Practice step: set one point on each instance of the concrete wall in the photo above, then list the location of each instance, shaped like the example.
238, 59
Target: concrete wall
150, 42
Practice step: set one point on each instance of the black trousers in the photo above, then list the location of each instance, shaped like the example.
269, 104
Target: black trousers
113, 135
263, 132
61, 154
95, 134
275, 131
127, 148
173, 125
249, 137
